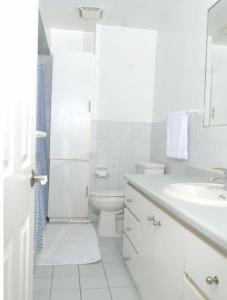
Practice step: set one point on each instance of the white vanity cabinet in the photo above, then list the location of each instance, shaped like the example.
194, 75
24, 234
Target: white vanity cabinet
155, 255
165, 259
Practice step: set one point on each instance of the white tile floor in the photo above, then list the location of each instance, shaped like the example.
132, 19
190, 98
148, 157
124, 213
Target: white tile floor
106, 280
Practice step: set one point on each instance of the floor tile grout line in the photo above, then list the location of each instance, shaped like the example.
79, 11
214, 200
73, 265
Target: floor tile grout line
107, 281
96, 288
79, 281
121, 253
52, 276
118, 247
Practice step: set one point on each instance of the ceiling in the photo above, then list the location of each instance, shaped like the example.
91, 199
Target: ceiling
63, 14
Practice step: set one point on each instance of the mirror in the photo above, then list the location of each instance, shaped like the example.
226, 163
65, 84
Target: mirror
216, 66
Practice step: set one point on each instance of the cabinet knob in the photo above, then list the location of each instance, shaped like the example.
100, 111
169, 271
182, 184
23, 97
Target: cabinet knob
210, 280
149, 218
157, 223
129, 200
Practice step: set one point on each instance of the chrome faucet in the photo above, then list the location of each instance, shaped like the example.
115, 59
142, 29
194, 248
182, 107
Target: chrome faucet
222, 179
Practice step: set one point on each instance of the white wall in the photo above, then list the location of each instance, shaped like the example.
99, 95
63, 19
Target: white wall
125, 66
71, 41
125, 61
180, 61
179, 84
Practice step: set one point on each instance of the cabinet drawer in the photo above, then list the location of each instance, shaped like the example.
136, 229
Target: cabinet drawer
133, 262
203, 264
191, 292
131, 259
131, 228
134, 201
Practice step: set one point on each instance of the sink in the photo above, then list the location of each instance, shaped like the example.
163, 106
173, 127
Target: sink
200, 193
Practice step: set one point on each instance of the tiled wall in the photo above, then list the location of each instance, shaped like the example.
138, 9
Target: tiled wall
207, 146
118, 145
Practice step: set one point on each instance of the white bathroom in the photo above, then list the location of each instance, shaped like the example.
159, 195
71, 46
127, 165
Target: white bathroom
115, 153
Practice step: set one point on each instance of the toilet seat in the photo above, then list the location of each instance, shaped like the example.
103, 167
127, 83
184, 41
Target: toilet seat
107, 201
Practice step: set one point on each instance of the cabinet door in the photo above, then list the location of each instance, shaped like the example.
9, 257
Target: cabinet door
130, 256
191, 291
162, 253
72, 89
133, 201
68, 189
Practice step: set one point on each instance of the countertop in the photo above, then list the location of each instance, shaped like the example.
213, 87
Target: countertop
208, 221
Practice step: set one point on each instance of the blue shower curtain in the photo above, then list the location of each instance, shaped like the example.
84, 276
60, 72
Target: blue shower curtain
42, 163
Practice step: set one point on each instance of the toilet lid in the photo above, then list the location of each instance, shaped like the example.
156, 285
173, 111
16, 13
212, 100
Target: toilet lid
108, 194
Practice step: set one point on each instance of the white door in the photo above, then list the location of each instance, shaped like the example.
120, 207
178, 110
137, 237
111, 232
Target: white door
18, 98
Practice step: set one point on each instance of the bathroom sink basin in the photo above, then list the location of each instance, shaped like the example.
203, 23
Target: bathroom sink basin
200, 193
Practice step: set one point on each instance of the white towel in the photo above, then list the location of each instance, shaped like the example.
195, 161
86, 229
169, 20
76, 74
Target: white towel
177, 135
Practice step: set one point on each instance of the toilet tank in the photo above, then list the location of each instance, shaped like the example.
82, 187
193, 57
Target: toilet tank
151, 168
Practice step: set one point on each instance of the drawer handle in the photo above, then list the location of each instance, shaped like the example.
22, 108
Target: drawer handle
210, 280
157, 223
128, 229
129, 200
150, 218
126, 258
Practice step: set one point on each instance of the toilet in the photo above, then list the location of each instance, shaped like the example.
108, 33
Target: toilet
110, 204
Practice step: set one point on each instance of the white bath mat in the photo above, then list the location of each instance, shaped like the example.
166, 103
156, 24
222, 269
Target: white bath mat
69, 244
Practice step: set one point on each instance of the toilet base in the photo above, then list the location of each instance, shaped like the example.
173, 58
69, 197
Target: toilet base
107, 226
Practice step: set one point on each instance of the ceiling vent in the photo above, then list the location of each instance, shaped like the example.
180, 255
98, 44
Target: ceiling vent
91, 12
